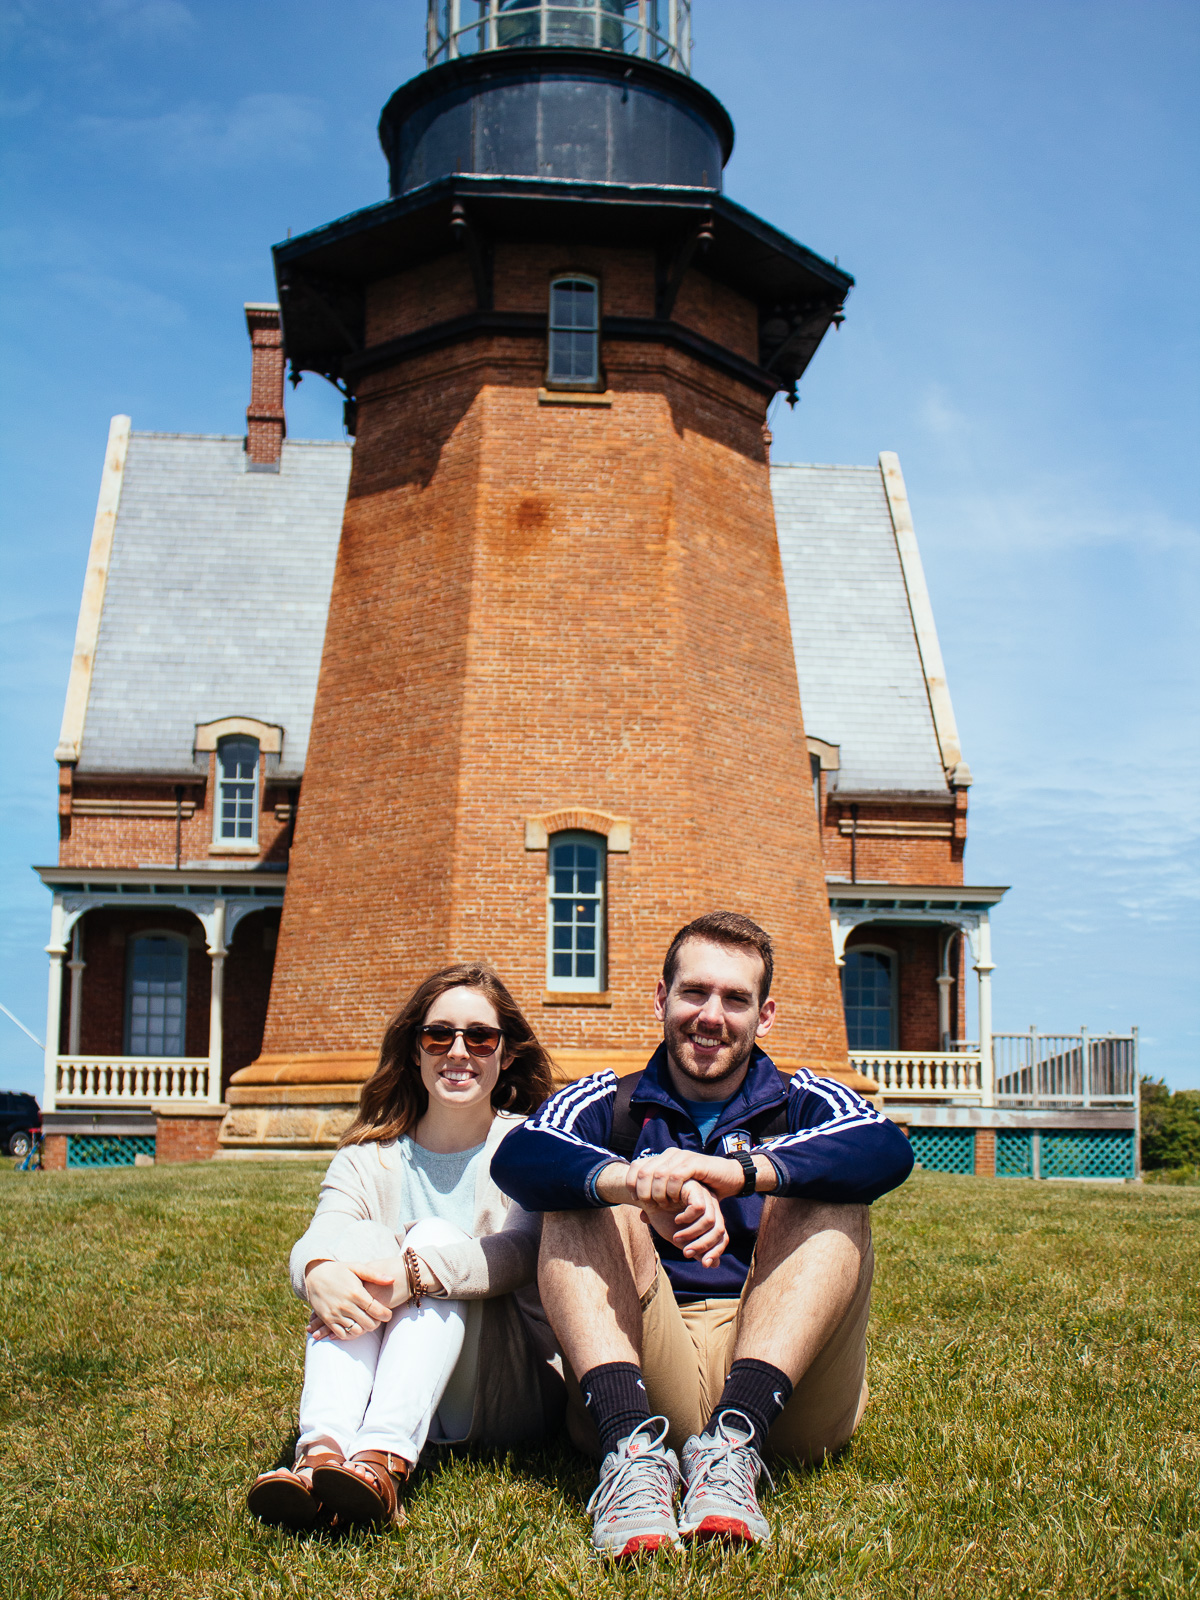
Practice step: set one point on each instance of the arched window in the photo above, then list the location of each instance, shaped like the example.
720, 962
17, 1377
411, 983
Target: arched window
574, 334
156, 995
575, 906
869, 996
236, 810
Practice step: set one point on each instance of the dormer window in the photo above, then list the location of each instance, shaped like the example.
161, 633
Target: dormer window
574, 334
237, 791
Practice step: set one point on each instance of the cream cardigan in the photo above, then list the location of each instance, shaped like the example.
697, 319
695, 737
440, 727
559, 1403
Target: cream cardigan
364, 1204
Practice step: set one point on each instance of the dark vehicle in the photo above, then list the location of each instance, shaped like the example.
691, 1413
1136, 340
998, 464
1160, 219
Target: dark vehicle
20, 1119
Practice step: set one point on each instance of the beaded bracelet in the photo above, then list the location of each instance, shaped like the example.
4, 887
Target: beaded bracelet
417, 1287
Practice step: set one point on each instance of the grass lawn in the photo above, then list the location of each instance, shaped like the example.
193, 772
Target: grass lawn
1034, 1428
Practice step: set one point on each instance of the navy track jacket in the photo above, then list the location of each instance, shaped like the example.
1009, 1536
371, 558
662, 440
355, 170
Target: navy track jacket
837, 1148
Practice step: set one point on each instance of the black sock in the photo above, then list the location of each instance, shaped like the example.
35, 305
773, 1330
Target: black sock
615, 1397
759, 1391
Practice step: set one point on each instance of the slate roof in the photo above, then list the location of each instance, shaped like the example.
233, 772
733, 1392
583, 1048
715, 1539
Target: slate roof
216, 599
862, 685
219, 581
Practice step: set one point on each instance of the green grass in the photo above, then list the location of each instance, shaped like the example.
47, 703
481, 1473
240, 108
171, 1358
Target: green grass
1034, 1428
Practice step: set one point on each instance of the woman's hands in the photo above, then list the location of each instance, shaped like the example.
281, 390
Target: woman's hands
342, 1304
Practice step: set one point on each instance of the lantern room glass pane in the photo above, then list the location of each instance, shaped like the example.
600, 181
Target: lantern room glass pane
656, 30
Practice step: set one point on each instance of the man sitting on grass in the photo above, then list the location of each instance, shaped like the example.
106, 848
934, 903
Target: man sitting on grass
711, 1292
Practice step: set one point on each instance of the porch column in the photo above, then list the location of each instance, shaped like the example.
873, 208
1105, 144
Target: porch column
57, 951
75, 966
984, 968
945, 983
215, 929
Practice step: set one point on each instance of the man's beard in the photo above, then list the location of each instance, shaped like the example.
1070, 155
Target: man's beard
743, 1050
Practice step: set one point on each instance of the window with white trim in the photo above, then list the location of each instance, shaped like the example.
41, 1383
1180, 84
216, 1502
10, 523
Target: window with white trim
236, 810
574, 333
575, 922
156, 995
869, 994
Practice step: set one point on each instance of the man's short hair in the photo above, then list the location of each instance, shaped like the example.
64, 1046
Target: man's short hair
727, 928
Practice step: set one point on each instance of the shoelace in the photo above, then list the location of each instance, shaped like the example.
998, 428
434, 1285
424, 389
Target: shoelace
633, 1477
728, 1463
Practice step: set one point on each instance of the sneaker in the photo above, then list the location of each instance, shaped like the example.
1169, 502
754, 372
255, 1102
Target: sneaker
633, 1506
721, 1472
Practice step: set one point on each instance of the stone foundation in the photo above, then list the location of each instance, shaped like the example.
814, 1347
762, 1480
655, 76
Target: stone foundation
293, 1105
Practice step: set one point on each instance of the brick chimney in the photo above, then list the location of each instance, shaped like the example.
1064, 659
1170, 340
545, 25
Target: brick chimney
265, 422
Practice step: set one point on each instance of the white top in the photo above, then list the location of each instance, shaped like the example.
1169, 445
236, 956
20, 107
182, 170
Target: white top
440, 1186
372, 1186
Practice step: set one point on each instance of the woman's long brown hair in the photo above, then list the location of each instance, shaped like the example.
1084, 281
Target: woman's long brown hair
393, 1099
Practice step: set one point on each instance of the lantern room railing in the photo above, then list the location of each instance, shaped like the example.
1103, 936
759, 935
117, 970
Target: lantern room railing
656, 30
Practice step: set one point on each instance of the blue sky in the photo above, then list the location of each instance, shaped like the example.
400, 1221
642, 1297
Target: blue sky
1014, 186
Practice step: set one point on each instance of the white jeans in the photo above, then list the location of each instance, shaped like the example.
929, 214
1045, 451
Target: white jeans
390, 1389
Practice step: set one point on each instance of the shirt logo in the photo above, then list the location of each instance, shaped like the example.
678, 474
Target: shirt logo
739, 1139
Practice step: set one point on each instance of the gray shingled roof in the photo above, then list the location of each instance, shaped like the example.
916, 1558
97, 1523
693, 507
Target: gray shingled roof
219, 582
862, 685
217, 594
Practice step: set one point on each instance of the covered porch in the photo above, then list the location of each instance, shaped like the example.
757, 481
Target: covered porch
175, 1003
903, 950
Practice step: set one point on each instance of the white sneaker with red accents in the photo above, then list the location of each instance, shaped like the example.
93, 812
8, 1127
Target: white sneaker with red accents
633, 1508
720, 1474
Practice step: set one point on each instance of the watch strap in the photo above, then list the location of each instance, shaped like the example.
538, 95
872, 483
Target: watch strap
746, 1162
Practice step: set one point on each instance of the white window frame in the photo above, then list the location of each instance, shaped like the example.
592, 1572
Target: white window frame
236, 840
894, 958
556, 380
570, 983
175, 938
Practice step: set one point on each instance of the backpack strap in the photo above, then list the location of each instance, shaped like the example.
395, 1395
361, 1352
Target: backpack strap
626, 1128
778, 1122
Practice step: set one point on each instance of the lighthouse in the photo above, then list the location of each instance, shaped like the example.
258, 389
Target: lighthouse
557, 713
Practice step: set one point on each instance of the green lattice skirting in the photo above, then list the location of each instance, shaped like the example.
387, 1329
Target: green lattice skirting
1014, 1154
1087, 1155
107, 1150
944, 1149
1066, 1155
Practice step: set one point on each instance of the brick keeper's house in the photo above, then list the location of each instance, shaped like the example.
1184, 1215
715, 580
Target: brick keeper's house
519, 673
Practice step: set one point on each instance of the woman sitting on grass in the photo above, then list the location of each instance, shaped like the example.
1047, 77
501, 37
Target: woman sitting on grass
414, 1261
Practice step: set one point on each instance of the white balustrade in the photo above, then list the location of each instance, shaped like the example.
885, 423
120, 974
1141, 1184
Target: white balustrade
921, 1074
130, 1080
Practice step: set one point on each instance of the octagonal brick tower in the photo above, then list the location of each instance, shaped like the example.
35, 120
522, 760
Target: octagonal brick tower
558, 613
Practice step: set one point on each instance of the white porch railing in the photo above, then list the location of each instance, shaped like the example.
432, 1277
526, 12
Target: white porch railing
130, 1080
1066, 1069
921, 1073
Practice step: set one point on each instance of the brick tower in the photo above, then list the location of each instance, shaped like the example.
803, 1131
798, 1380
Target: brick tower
558, 712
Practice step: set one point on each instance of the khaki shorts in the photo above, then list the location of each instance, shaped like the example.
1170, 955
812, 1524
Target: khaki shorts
686, 1355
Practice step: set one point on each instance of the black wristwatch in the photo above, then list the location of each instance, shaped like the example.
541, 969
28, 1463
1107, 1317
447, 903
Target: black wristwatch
746, 1162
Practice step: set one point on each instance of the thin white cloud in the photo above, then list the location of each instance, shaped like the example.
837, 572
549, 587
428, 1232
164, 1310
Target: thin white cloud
119, 297
22, 105
258, 128
57, 31
148, 18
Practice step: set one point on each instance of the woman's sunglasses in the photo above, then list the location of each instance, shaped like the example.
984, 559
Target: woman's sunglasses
480, 1040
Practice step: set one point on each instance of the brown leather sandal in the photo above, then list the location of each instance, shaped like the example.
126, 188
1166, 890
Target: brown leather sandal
370, 1494
284, 1498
